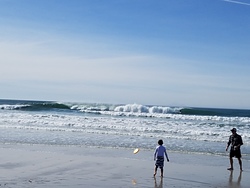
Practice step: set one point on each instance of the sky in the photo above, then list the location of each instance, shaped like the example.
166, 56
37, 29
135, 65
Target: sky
191, 53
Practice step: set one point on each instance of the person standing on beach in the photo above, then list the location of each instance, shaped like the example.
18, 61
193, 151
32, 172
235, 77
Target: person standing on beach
235, 141
160, 151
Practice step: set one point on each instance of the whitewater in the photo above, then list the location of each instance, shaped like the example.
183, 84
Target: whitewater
183, 129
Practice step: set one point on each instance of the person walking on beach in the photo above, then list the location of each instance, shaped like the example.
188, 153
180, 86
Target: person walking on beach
235, 141
160, 151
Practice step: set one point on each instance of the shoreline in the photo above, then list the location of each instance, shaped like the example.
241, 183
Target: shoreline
75, 166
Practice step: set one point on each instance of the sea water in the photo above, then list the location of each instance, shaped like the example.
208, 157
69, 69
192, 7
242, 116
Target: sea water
189, 130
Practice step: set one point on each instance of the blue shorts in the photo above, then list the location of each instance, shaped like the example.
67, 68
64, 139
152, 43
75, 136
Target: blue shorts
159, 162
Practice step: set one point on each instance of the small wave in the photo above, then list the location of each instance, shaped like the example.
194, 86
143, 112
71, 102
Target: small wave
216, 112
34, 106
91, 107
47, 106
12, 107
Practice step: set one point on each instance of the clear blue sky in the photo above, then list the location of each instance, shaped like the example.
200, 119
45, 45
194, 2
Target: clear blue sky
163, 52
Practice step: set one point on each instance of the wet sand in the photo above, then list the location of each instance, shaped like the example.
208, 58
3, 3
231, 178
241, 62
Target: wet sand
77, 167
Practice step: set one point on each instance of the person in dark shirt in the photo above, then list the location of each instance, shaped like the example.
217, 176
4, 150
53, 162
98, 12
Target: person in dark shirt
236, 142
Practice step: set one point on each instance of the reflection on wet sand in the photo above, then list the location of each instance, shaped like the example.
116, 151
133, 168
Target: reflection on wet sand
232, 183
160, 185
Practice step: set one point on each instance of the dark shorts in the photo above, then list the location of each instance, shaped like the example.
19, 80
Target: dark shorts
159, 162
235, 153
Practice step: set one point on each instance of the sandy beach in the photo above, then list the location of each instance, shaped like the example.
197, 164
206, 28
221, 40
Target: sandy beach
75, 167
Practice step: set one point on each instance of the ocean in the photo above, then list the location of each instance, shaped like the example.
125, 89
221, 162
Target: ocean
183, 129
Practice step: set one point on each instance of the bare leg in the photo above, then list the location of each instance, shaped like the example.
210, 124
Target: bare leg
155, 170
231, 163
240, 163
161, 172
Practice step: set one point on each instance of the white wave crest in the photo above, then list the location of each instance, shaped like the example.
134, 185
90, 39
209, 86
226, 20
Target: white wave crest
132, 108
12, 107
138, 108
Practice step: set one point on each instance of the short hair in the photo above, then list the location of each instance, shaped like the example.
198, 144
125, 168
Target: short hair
160, 142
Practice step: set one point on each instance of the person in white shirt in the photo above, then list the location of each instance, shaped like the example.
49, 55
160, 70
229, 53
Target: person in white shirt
160, 151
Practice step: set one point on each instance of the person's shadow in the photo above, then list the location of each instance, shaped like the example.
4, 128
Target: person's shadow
160, 185
232, 183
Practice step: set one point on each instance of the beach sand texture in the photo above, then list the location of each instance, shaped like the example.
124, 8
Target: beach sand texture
40, 166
